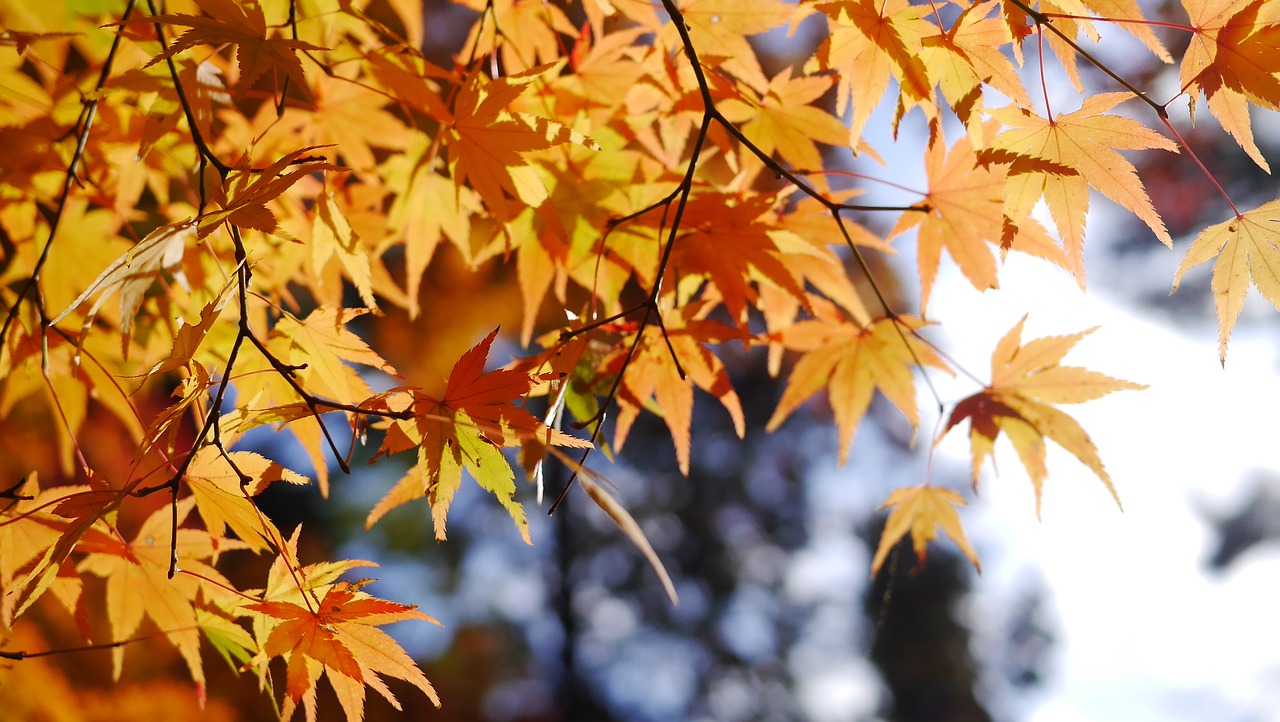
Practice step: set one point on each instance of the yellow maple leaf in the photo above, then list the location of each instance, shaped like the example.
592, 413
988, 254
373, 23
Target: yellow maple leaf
133, 273
852, 361
1248, 251
1025, 380
223, 498
719, 29
922, 510
872, 41
1061, 157
969, 55
138, 583
784, 121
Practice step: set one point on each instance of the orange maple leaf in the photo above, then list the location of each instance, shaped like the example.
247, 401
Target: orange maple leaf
851, 361
922, 510
1232, 59
965, 200
338, 636
138, 583
731, 245
465, 429
1248, 251
242, 25
1025, 381
247, 191
488, 141
653, 377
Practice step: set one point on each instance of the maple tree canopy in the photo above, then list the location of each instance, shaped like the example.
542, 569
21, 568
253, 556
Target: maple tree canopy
218, 217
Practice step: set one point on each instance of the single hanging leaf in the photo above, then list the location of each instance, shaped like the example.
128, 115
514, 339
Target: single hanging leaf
626, 524
1248, 251
1025, 381
922, 510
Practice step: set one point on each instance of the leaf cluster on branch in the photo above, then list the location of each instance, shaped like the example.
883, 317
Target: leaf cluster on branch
202, 202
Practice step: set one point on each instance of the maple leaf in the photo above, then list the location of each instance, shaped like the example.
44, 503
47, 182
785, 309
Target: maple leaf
241, 24
968, 55
1248, 251
964, 203
1232, 59
429, 208
731, 245
465, 429
321, 343
489, 141
872, 41
338, 636
1026, 379
331, 236
783, 120
653, 374
187, 341
28, 530
348, 119
720, 28
529, 33
922, 510
246, 193
138, 583
79, 509
132, 274
223, 497
852, 361
1060, 158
